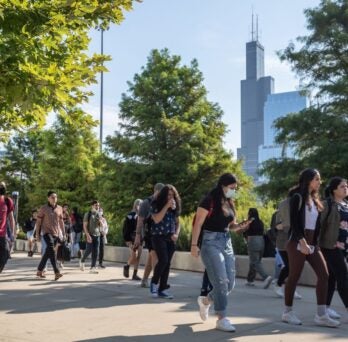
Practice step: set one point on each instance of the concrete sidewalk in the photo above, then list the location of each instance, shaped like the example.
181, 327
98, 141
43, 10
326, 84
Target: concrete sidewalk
107, 307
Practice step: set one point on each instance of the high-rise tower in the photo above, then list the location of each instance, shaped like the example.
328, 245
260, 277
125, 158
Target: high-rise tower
254, 91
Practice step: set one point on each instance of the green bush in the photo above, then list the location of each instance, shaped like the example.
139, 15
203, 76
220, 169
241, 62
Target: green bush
239, 244
21, 235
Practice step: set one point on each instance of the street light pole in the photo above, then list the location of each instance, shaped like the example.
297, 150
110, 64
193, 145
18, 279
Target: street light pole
101, 94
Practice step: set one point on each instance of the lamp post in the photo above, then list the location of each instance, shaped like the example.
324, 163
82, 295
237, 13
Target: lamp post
101, 94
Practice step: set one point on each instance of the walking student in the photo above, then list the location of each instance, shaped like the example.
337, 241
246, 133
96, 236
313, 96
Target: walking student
333, 234
91, 227
165, 211
29, 230
143, 233
305, 206
129, 228
50, 224
216, 215
6, 216
256, 246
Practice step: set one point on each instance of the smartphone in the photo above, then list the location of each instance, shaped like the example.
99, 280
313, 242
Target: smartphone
311, 247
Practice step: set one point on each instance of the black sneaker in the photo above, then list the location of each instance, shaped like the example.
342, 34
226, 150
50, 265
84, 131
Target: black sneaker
101, 266
126, 271
136, 277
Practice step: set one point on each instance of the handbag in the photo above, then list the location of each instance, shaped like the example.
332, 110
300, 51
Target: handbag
64, 252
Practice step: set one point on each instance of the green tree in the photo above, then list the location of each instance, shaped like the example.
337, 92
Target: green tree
44, 65
68, 162
319, 131
169, 133
19, 164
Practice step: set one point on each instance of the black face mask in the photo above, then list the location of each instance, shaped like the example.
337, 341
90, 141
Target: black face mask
2, 191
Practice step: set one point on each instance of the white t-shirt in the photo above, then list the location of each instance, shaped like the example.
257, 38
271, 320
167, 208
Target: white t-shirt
311, 216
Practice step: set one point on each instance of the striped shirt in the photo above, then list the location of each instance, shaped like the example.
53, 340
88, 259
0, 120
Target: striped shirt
50, 220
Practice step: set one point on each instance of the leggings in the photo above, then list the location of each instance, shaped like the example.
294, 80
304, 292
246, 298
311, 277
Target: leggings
337, 274
296, 263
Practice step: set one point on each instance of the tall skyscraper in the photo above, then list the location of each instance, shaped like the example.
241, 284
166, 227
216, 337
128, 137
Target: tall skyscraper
276, 106
254, 91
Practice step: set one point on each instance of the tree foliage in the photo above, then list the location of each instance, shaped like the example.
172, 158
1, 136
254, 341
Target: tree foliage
44, 64
319, 131
169, 133
19, 164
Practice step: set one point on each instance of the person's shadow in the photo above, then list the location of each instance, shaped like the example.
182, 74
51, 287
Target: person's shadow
184, 332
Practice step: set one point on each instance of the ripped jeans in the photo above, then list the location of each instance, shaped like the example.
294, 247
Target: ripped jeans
219, 260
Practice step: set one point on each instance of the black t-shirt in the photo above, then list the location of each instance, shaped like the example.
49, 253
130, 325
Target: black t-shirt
255, 229
215, 221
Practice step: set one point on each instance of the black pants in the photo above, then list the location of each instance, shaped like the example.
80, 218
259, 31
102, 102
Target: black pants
51, 242
164, 248
338, 274
284, 272
4, 252
101, 249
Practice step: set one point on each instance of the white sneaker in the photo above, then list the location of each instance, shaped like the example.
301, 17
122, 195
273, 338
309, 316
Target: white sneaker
82, 265
279, 291
291, 318
225, 325
93, 270
297, 295
267, 282
203, 308
326, 321
332, 313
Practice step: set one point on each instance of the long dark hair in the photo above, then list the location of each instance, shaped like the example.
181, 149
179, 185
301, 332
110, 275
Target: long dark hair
162, 198
306, 176
253, 212
217, 194
333, 185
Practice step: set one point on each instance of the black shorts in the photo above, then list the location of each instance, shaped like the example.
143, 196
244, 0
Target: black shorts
148, 243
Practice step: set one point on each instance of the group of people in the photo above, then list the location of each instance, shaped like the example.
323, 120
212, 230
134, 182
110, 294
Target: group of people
314, 231
55, 227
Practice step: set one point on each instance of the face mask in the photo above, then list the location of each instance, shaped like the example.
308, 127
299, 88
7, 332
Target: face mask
231, 193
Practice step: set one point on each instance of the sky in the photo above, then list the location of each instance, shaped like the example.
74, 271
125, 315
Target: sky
214, 33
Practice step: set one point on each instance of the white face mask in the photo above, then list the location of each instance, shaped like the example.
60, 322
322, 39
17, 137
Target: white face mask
231, 193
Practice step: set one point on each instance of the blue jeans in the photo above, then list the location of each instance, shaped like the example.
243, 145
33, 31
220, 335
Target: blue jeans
94, 248
219, 261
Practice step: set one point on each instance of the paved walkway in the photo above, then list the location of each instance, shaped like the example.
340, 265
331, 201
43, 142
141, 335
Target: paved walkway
106, 307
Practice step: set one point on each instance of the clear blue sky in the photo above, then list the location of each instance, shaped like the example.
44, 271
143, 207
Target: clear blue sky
213, 32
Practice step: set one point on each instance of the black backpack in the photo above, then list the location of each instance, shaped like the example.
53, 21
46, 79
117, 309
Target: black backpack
78, 226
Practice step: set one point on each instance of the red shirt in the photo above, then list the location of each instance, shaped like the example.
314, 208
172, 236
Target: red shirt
4, 212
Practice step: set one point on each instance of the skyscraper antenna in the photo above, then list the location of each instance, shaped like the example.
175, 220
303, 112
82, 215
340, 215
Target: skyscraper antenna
257, 27
252, 24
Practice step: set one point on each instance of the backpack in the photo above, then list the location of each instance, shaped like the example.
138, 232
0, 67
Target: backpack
129, 225
283, 214
78, 226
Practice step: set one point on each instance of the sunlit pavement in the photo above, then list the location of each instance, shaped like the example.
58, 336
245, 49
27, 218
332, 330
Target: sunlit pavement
107, 307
